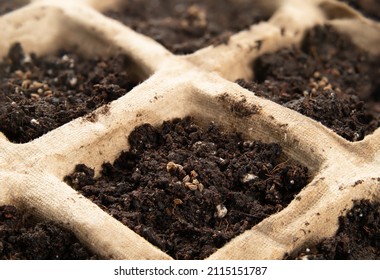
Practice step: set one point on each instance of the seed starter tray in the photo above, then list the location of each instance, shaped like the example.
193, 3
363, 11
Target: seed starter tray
200, 85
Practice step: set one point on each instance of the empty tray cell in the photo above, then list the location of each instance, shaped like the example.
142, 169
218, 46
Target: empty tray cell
24, 238
327, 78
357, 237
189, 189
39, 94
185, 26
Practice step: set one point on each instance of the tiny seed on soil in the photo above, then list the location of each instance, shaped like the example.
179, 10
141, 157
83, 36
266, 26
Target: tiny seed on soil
186, 179
328, 87
25, 84
191, 186
335, 72
171, 166
36, 85
314, 85
48, 93
177, 201
34, 95
193, 174
19, 73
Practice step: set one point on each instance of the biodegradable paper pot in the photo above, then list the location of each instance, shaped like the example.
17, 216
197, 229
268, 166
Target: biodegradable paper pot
178, 86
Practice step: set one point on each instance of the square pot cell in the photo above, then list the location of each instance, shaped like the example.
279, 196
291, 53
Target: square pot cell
39, 94
186, 26
23, 237
327, 78
356, 239
189, 189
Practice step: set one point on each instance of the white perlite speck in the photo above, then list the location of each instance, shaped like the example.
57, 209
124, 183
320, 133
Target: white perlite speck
221, 211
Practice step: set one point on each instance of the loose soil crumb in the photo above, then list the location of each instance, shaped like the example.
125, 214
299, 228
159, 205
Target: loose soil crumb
184, 26
189, 190
39, 94
21, 238
327, 78
239, 108
358, 236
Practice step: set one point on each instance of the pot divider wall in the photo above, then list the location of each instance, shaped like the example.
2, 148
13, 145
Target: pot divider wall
197, 85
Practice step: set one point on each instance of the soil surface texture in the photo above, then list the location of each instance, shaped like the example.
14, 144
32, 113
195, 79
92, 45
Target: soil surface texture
23, 238
328, 79
184, 26
39, 94
188, 190
369, 8
358, 236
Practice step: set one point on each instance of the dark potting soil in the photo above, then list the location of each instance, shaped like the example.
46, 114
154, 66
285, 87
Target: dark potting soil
328, 79
358, 236
7, 6
184, 26
23, 238
188, 190
369, 8
39, 94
